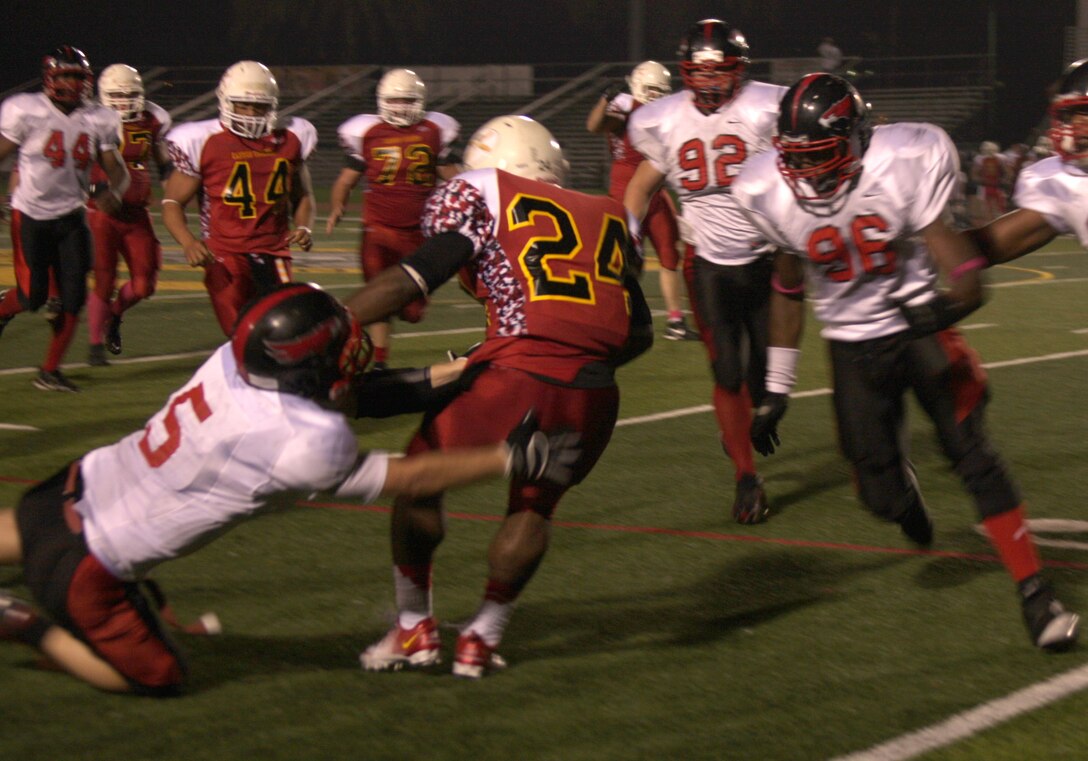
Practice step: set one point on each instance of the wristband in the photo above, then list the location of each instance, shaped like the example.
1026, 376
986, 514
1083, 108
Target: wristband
777, 285
782, 369
971, 264
307, 229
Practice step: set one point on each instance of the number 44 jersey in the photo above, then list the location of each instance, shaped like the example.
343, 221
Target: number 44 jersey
247, 182
863, 250
213, 456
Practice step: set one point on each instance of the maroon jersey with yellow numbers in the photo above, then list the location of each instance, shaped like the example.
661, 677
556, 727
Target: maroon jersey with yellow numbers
139, 138
245, 206
551, 262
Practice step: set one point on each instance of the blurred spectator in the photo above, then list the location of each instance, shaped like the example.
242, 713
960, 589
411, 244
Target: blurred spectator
830, 55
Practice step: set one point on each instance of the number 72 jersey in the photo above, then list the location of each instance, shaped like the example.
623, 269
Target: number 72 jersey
246, 182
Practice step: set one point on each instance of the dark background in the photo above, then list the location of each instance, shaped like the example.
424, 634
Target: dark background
1029, 34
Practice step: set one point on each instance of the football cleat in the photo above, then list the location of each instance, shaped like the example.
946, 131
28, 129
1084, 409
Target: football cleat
474, 658
54, 381
1050, 625
96, 356
677, 330
915, 521
750, 505
113, 334
401, 648
17, 618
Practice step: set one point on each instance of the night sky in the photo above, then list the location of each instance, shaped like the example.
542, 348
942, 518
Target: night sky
405, 32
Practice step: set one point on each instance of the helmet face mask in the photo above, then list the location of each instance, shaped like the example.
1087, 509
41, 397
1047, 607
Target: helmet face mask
248, 97
823, 133
649, 81
402, 97
519, 145
1068, 131
67, 79
713, 63
121, 88
300, 340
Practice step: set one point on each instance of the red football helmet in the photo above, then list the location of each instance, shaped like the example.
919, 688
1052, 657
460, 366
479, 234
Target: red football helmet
1069, 115
67, 78
713, 62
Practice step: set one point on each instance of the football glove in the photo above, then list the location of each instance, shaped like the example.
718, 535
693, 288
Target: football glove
933, 317
536, 456
765, 423
610, 92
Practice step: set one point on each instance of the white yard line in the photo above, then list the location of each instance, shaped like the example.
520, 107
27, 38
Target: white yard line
975, 720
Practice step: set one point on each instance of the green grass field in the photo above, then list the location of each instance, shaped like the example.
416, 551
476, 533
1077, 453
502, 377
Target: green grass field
656, 628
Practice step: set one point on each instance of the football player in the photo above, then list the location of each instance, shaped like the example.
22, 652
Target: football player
59, 134
647, 82
402, 152
1052, 193
697, 140
130, 234
256, 200
263, 417
988, 173
859, 216
564, 310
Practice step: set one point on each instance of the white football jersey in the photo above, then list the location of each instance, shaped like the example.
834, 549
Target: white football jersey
213, 456
1058, 191
864, 255
56, 151
700, 156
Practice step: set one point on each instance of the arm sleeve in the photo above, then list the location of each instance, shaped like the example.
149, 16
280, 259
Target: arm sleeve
438, 259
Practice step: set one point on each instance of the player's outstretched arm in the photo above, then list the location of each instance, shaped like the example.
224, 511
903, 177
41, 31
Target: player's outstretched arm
1012, 235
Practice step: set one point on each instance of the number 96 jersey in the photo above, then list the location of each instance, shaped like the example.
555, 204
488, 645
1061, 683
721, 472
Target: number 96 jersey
700, 156
552, 262
863, 250
246, 199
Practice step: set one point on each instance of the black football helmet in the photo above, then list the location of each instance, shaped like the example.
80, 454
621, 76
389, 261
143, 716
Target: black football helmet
713, 62
1069, 135
300, 340
823, 132
67, 78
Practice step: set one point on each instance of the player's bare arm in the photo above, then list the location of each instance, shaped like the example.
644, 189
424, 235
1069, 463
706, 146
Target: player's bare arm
305, 206
7, 148
961, 264
601, 122
109, 199
180, 189
645, 182
787, 312
1012, 235
339, 195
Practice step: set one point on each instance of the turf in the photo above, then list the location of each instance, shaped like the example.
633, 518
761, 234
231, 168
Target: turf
656, 628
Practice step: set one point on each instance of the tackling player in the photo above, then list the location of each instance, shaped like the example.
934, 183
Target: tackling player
129, 233
263, 417
59, 135
859, 215
648, 81
255, 195
401, 152
564, 310
697, 140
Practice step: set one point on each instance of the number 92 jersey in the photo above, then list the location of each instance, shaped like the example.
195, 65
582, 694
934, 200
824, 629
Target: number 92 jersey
700, 156
863, 251
245, 203
552, 262
56, 151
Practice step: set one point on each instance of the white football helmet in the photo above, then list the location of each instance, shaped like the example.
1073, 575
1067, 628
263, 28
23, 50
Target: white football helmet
518, 145
248, 82
121, 88
649, 81
401, 97
988, 148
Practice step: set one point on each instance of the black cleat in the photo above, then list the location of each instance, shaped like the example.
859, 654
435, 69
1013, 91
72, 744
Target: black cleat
113, 335
55, 381
1050, 626
916, 524
96, 356
677, 330
750, 506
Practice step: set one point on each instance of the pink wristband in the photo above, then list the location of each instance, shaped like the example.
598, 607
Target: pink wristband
971, 264
777, 285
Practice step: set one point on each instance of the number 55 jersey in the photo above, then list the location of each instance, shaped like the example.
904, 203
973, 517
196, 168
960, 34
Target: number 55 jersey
863, 249
245, 206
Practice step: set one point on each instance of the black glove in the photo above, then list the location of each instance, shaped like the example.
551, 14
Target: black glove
765, 423
610, 92
536, 456
938, 314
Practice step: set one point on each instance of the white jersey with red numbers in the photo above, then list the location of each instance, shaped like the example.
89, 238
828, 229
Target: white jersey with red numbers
864, 254
245, 204
1058, 191
213, 456
56, 151
700, 156
399, 163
